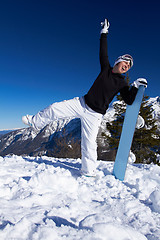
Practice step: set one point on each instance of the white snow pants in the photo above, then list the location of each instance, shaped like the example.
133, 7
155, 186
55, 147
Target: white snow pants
90, 122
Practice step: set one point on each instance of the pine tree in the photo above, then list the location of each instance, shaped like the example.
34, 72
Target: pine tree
146, 140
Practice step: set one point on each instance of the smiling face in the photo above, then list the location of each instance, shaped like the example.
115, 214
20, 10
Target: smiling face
121, 67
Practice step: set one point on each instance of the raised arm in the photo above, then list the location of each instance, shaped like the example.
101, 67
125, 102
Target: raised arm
103, 53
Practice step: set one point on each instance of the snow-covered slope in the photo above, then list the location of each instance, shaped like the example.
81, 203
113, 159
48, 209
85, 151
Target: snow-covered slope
47, 199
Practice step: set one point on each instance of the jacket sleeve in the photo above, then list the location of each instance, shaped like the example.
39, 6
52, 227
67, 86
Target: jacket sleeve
103, 54
128, 94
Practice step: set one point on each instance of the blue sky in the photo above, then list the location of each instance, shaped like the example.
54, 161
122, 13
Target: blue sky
49, 50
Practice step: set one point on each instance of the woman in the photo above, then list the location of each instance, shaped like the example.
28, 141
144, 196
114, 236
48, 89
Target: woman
91, 107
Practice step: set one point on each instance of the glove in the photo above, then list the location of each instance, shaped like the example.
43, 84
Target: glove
105, 25
140, 82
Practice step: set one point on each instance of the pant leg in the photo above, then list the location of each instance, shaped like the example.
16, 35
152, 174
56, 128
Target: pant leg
90, 124
65, 109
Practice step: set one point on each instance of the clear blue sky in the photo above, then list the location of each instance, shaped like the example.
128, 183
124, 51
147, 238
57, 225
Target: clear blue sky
49, 50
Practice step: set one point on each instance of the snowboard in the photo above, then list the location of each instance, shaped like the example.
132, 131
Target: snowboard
128, 129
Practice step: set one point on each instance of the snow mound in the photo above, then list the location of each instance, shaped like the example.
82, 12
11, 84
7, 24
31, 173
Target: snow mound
117, 232
47, 198
155, 199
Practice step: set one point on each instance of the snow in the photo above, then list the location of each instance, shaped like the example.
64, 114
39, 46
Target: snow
155, 103
46, 198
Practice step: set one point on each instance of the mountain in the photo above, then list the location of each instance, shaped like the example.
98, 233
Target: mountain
3, 132
27, 142
64, 133
48, 141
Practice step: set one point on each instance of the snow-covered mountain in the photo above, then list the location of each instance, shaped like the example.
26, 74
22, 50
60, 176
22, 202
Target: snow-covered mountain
3, 132
27, 142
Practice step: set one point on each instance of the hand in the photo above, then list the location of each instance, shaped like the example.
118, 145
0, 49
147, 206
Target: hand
140, 82
105, 26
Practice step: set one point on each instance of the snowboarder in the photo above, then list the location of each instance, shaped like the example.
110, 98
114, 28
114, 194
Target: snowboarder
91, 107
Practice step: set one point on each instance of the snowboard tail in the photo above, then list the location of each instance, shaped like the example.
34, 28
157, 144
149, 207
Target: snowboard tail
128, 129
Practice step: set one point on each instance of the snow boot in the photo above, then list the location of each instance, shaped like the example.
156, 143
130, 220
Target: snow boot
88, 174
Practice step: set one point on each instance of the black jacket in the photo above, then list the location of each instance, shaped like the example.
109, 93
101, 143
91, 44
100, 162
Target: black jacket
107, 84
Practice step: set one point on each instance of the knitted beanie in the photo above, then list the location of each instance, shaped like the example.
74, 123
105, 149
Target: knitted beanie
125, 58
